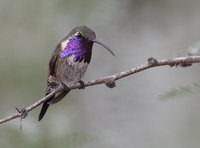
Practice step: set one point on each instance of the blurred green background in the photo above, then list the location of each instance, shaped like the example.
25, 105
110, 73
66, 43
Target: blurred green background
131, 115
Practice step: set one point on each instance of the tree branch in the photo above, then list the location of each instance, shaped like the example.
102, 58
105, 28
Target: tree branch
109, 81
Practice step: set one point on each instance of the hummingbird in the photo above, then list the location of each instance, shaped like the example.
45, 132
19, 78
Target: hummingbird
69, 61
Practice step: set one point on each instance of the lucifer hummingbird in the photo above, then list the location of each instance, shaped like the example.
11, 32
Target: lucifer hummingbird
70, 59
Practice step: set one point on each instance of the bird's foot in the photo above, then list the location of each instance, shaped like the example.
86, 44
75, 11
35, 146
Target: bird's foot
51, 84
65, 87
82, 84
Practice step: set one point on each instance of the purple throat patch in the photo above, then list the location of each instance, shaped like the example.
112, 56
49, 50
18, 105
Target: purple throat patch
80, 48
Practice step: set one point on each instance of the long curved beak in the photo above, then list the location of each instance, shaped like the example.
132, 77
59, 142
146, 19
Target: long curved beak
100, 43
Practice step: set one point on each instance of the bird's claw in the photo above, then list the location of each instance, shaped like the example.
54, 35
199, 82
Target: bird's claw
65, 87
82, 84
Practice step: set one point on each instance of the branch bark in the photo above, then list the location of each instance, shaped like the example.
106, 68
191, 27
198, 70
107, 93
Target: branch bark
109, 81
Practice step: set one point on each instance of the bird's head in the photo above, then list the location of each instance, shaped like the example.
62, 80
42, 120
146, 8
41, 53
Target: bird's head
79, 43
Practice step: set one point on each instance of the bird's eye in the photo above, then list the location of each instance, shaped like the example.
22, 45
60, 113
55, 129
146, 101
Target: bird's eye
79, 35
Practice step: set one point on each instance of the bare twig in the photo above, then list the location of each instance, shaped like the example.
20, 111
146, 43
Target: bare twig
109, 80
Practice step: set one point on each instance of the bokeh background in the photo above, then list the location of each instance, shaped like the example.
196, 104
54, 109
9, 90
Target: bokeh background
156, 108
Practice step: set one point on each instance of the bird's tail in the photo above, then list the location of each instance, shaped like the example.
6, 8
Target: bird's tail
45, 106
52, 100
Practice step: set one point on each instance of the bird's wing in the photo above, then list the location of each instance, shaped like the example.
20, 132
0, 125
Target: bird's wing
51, 71
53, 59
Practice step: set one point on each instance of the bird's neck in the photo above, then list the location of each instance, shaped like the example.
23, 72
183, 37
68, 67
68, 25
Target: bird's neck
81, 49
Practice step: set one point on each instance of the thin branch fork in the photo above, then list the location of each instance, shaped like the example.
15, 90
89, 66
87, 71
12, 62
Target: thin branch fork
109, 81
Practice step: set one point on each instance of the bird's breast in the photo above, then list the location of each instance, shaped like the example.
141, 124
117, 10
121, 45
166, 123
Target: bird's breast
69, 71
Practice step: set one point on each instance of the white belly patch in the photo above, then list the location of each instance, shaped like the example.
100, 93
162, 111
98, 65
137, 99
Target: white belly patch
73, 71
